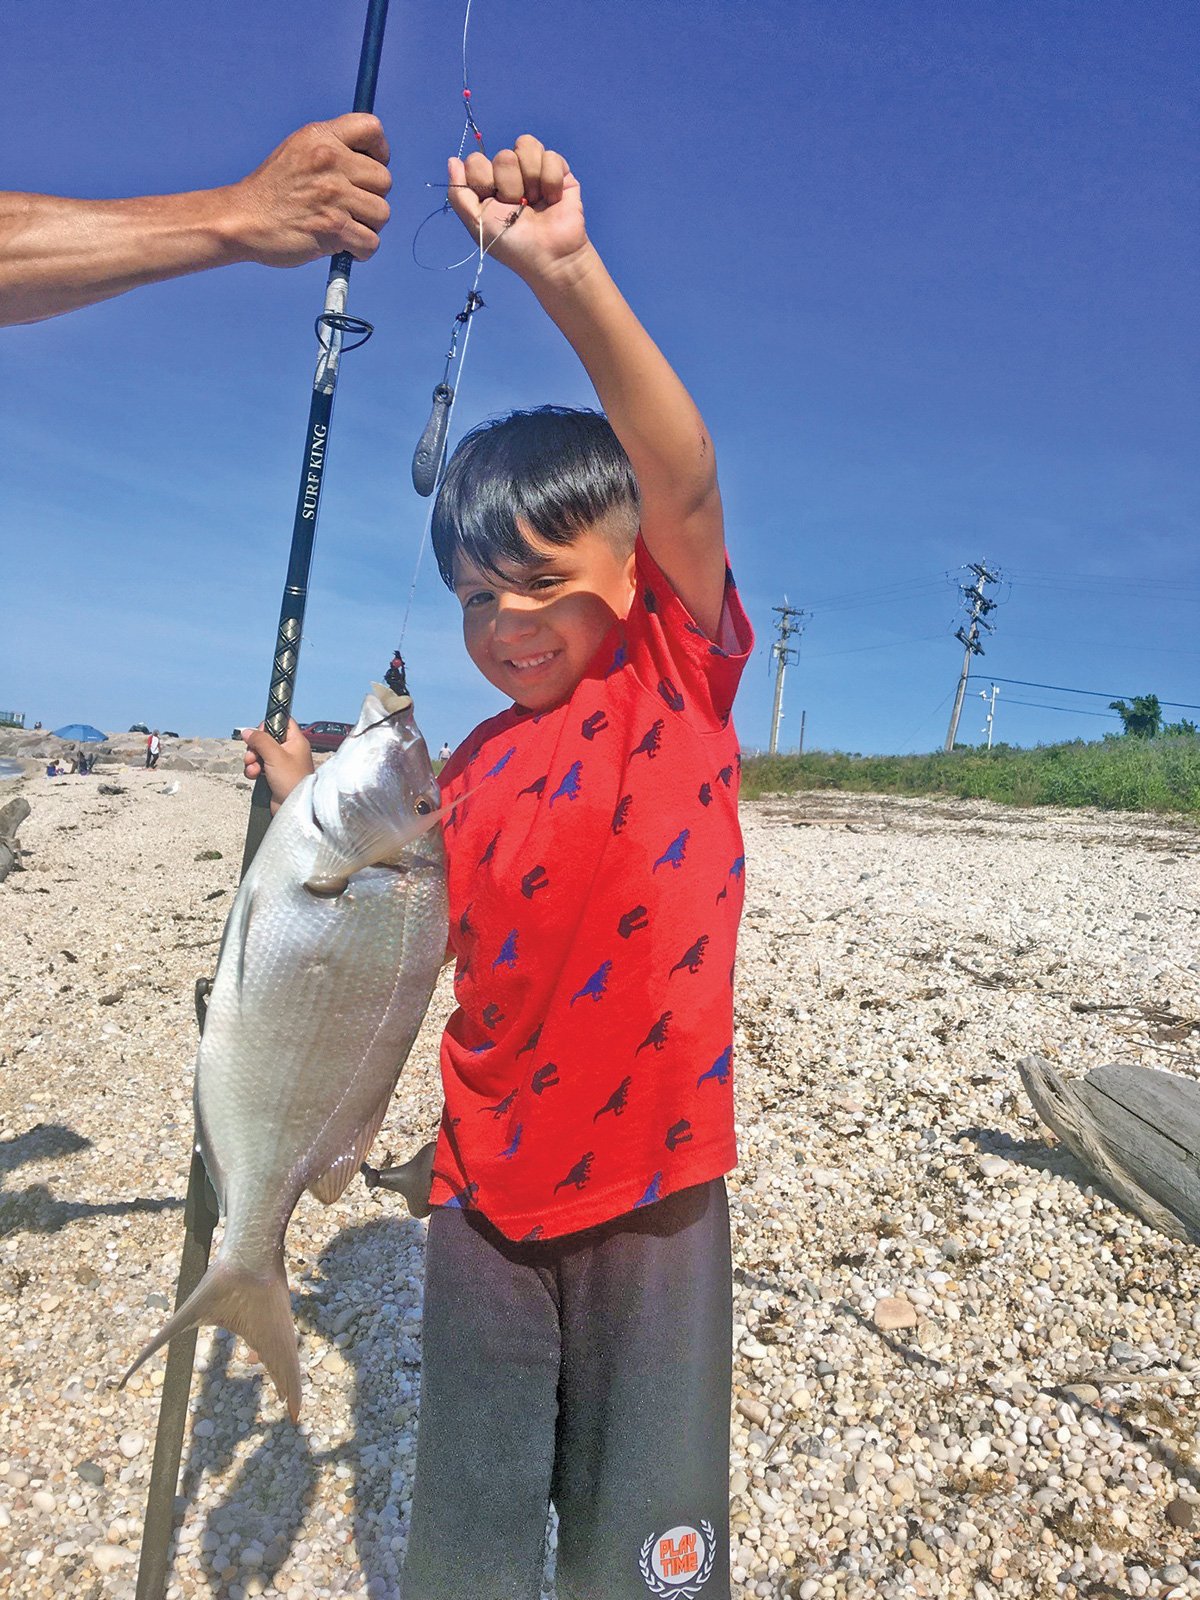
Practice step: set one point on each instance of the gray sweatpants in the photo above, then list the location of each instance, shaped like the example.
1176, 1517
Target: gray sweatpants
594, 1371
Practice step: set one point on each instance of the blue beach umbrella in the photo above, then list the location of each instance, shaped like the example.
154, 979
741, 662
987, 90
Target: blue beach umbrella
81, 732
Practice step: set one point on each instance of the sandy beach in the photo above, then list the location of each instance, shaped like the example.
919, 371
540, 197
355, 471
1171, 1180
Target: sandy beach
1019, 1426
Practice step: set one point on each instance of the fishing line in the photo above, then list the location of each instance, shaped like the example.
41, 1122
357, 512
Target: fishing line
429, 457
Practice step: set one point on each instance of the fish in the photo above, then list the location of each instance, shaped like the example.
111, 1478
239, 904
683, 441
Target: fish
327, 965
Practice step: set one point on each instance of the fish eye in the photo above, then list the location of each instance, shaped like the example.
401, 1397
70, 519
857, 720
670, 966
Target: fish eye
423, 807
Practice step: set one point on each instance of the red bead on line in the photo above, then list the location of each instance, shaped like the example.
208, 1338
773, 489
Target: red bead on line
478, 136
466, 94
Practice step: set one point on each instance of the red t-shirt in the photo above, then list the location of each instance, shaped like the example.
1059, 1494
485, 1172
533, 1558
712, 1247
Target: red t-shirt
596, 878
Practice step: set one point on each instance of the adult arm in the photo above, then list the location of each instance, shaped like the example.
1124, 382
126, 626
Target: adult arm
321, 191
651, 412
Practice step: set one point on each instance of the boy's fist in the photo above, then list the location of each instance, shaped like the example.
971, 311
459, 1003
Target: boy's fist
527, 203
283, 765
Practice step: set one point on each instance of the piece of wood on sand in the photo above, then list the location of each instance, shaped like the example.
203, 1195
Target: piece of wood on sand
1136, 1129
12, 815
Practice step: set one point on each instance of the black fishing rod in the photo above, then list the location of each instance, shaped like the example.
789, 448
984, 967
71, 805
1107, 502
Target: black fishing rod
337, 332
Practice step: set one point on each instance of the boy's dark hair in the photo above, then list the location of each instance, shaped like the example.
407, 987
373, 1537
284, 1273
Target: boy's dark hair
555, 469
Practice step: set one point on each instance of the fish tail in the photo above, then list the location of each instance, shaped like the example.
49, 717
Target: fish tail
256, 1307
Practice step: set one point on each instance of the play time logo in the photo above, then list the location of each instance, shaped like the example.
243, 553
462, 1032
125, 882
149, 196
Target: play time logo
678, 1562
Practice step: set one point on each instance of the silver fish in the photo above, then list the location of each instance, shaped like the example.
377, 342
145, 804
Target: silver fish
327, 964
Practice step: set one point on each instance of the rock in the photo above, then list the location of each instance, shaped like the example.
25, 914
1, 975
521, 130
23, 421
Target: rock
993, 1166
893, 1312
42, 1500
131, 1445
1181, 1513
91, 1472
108, 1557
754, 1411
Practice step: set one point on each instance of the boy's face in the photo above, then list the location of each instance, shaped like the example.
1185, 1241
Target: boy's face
533, 631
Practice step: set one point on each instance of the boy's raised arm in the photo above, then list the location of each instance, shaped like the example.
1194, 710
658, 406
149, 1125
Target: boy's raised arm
651, 412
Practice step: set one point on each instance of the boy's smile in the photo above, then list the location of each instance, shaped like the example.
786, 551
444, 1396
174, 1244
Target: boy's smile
532, 630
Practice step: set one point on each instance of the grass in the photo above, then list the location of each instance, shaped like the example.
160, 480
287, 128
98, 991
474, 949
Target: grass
1118, 773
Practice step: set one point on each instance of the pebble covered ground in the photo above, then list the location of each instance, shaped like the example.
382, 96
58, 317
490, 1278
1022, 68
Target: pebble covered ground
960, 1371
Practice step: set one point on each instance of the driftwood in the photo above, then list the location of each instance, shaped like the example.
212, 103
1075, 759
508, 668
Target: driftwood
12, 815
1135, 1128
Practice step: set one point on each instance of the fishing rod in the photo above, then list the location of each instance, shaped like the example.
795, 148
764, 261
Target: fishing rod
337, 332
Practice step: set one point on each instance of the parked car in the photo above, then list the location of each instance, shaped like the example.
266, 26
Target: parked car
325, 735
138, 727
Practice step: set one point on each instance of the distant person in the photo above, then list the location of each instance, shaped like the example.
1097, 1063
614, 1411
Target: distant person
153, 750
36, 726
320, 192
395, 677
444, 753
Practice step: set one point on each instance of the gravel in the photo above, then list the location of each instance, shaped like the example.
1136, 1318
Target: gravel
961, 1372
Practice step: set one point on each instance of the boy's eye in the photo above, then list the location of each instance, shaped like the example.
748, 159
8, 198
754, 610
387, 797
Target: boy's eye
479, 598
545, 583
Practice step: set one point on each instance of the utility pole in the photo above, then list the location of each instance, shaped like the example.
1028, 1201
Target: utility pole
990, 721
791, 623
803, 720
978, 605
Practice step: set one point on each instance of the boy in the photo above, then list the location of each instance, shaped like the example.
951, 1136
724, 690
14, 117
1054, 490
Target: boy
577, 1323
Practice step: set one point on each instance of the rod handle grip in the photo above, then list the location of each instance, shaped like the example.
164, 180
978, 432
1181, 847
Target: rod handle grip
431, 446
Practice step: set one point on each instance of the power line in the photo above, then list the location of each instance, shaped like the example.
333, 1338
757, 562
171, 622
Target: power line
1100, 694
1074, 711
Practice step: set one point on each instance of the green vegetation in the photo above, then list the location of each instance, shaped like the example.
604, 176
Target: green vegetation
1117, 773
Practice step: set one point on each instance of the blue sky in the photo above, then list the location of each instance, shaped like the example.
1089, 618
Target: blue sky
930, 272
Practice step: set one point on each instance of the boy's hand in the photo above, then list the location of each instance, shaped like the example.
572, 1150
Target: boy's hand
283, 764
548, 233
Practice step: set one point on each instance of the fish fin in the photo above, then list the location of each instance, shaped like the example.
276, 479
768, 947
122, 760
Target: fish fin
331, 1184
257, 1308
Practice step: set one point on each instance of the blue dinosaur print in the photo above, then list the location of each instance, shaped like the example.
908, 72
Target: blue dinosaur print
726, 775
620, 657
633, 921
657, 1037
735, 872
535, 787
464, 1199
720, 1067
491, 849
594, 724
670, 694
482, 1049
597, 985
508, 953
501, 1106
502, 763
706, 794
674, 853
535, 1232
492, 1015
692, 958
650, 600
651, 740
532, 1041
621, 814
510, 1151
464, 925
653, 1192
570, 784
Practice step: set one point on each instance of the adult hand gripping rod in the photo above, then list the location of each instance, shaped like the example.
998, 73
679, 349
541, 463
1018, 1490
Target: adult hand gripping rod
200, 1211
